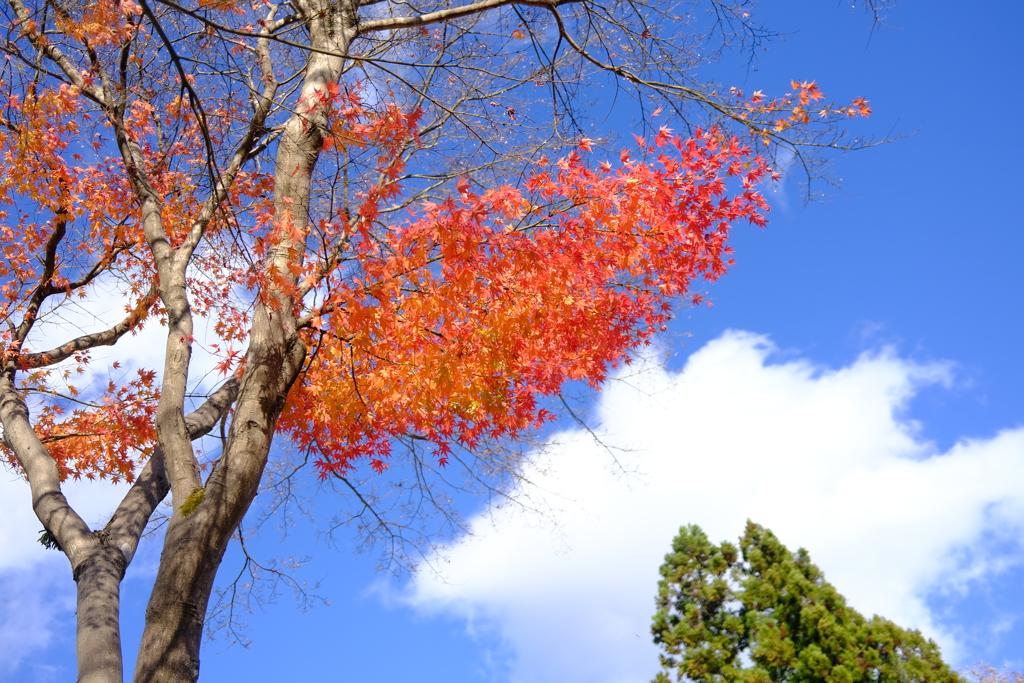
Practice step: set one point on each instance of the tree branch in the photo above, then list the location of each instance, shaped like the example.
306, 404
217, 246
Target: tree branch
54, 54
126, 526
48, 502
450, 13
44, 289
107, 337
264, 101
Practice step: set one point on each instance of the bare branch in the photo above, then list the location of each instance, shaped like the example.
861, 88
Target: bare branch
54, 54
108, 337
392, 23
126, 526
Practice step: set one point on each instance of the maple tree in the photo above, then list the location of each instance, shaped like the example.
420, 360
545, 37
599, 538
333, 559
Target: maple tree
394, 235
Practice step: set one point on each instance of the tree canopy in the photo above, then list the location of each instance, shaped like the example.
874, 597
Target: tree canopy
385, 225
761, 613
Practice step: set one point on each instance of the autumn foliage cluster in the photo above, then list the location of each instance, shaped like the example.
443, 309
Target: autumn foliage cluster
449, 325
480, 304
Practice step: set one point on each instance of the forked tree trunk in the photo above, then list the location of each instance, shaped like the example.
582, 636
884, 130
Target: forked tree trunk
194, 546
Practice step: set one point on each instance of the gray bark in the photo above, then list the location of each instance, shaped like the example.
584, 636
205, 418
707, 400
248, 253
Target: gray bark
194, 545
98, 559
98, 640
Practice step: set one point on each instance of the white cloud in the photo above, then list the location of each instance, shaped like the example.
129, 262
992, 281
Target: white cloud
105, 307
825, 458
33, 604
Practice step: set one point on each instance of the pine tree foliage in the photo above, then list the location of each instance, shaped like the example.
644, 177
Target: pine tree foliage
760, 613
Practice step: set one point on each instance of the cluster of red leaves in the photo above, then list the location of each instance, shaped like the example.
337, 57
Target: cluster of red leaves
794, 109
452, 326
102, 23
96, 440
53, 182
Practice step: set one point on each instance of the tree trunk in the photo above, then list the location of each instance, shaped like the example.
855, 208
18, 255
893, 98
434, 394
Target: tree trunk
98, 640
97, 566
194, 546
174, 617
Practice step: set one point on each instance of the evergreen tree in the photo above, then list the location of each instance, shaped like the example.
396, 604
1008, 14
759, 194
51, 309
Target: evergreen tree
763, 614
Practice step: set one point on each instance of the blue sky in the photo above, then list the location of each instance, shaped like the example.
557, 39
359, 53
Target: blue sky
856, 387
